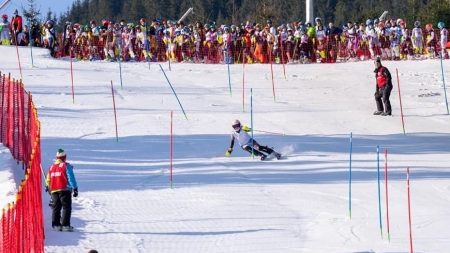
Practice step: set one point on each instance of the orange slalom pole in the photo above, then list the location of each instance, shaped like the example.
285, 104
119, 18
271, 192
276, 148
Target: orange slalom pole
271, 71
71, 76
386, 184
171, 146
409, 211
243, 86
115, 117
400, 98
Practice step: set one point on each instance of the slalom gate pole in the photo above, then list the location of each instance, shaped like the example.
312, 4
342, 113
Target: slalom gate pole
271, 71
243, 86
267, 132
120, 68
443, 82
115, 116
350, 178
409, 211
17, 52
171, 146
173, 91
251, 119
387, 195
31, 44
400, 98
229, 75
379, 190
71, 76
282, 58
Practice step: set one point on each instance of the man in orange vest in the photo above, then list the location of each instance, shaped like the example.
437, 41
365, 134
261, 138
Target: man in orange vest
60, 182
383, 88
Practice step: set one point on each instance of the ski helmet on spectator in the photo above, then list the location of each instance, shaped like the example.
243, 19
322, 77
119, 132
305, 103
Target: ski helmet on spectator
381, 24
441, 24
429, 26
269, 21
105, 22
49, 22
5, 16
308, 24
402, 23
375, 21
369, 22
416, 23
318, 20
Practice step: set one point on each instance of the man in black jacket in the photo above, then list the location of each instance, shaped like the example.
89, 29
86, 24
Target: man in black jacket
383, 88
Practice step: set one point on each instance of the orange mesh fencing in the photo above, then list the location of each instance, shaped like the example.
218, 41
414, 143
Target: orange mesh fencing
22, 228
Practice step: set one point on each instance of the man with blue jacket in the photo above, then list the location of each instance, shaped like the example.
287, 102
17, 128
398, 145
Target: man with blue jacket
60, 182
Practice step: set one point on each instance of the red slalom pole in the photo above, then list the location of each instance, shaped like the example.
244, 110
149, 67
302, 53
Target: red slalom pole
71, 76
386, 183
400, 98
115, 117
282, 56
243, 81
271, 71
171, 146
409, 211
17, 51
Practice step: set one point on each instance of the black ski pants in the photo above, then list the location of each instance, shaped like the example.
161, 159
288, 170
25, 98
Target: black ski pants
61, 200
382, 99
257, 149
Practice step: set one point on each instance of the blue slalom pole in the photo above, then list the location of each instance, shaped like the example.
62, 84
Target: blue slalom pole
31, 43
443, 81
120, 69
173, 91
251, 119
379, 190
229, 77
350, 179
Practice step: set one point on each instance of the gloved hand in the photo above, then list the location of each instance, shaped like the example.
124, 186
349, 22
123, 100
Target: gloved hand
246, 129
228, 153
75, 192
47, 189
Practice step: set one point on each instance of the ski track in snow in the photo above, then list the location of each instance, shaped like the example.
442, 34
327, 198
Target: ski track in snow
239, 204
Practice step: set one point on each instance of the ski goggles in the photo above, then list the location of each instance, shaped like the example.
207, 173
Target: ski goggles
236, 126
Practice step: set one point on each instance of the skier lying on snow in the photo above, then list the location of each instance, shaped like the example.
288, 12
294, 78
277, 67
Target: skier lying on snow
245, 141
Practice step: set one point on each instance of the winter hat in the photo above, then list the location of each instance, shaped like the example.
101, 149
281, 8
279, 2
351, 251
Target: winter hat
60, 153
378, 60
16, 12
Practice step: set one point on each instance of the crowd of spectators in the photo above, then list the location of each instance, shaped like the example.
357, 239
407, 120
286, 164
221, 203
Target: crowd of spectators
248, 42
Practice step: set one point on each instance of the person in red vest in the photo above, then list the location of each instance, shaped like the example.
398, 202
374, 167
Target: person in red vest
15, 26
60, 182
383, 88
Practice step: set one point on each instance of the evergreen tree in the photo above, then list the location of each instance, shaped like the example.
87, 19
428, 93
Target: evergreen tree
32, 13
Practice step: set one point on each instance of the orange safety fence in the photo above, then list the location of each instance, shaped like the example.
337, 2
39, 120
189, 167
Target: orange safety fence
22, 222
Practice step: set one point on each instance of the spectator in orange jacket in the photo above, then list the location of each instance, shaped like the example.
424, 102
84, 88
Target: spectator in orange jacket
15, 26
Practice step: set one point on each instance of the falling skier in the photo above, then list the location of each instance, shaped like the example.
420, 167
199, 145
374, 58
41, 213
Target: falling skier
245, 141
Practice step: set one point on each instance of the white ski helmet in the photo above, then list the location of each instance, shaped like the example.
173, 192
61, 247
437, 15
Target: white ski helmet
236, 123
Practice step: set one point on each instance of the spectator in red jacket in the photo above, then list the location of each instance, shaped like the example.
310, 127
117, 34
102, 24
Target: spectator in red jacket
15, 26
